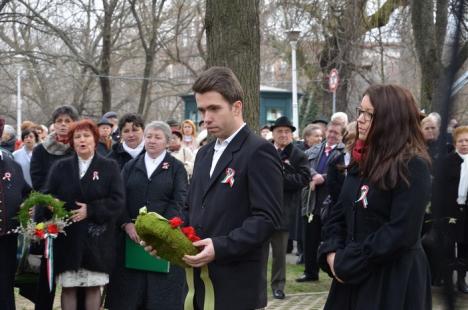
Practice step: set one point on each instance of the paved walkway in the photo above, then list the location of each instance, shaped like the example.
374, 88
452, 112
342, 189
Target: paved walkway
316, 301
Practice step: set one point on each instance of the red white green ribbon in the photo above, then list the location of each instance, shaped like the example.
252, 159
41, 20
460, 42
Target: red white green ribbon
229, 178
363, 196
49, 256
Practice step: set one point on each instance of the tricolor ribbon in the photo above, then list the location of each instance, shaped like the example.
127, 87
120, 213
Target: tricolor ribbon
6, 176
95, 175
49, 256
229, 178
363, 196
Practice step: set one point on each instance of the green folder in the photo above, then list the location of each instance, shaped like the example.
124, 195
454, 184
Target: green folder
137, 258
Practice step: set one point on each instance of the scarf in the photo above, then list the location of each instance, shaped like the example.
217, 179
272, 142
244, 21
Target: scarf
188, 138
358, 150
55, 147
136, 151
463, 183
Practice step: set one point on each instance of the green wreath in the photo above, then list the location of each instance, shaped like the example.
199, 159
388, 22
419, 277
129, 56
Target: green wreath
36, 198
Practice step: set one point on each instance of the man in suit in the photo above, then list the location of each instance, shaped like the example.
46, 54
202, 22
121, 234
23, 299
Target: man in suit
235, 197
296, 175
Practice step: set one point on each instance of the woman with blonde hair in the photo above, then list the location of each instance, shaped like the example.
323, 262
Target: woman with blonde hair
189, 132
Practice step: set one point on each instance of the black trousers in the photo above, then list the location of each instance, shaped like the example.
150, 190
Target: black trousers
311, 242
7, 271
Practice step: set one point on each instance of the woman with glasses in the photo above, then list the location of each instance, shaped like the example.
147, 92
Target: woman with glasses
371, 243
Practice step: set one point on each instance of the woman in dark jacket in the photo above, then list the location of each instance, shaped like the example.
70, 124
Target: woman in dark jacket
371, 243
158, 181
13, 189
450, 198
131, 127
92, 189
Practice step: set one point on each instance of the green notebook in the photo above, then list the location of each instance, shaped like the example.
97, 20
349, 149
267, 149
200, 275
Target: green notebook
137, 258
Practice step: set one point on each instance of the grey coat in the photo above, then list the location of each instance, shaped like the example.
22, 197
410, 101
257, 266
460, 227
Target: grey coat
313, 155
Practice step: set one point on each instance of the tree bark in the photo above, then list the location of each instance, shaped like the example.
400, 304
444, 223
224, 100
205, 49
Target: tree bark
233, 40
104, 80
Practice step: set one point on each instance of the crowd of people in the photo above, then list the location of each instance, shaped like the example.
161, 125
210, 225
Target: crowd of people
355, 198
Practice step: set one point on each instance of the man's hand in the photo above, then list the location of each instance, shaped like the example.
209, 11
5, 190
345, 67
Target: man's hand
131, 232
318, 179
331, 262
81, 213
206, 256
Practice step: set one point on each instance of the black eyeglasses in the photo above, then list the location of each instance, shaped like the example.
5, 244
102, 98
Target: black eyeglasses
368, 116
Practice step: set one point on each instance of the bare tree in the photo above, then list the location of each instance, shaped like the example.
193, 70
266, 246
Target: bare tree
235, 42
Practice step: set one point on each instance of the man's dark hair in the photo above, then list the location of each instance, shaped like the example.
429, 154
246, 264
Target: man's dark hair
221, 80
65, 110
134, 118
27, 131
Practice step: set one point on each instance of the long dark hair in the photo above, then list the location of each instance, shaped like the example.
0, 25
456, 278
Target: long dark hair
394, 137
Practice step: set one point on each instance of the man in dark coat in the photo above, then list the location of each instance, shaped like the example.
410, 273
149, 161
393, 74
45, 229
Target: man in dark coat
235, 197
296, 175
13, 189
320, 156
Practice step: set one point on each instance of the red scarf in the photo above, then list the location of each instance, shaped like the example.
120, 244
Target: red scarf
60, 139
358, 150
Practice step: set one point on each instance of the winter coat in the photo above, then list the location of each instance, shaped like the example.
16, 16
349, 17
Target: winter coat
43, 156
320, 193
22, 158
119, 154
296, 176
90, 243
378, 247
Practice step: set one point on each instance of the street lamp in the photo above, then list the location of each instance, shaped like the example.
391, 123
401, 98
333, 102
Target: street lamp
19, 100
19, 103
293, 36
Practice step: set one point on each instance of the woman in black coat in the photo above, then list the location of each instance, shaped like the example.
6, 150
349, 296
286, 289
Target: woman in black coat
371, 243
158, 181
131, 127
450, 199
13, 189
92, 189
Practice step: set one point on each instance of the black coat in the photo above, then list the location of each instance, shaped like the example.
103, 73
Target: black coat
378, 248
90, 243
239, 219
165, 192
13, 190
296, 176
41, 161
444, 197
119, 154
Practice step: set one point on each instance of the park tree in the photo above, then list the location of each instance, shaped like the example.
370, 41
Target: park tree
233, 40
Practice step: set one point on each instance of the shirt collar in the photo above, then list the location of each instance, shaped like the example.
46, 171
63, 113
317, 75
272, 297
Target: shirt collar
156, 160
219, 145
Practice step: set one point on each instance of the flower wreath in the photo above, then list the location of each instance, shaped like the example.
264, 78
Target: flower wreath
47, 230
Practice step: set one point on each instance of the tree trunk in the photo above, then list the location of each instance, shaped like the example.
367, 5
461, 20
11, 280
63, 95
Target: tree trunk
106, 56
233, 40
145, 83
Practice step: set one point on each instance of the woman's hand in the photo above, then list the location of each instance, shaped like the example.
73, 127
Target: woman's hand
331, 262
81, 213
131, 232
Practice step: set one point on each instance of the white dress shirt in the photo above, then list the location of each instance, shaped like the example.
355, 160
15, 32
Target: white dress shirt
153, 163
84, 165
219, 148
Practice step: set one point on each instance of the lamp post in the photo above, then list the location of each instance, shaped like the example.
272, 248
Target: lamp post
19, 103
293, 36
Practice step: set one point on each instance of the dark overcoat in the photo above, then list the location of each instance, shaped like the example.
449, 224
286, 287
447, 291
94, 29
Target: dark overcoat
378, 248
239, 219
296, 176
444, 198
119, 154
164, 192
41, 161
90, 243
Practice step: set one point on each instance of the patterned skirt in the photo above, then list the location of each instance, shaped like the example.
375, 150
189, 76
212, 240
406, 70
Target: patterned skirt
82, 278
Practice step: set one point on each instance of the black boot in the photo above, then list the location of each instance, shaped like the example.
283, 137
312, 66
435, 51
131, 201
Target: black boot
461, 283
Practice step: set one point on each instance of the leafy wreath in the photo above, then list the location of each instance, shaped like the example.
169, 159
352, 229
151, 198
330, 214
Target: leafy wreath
35, 199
